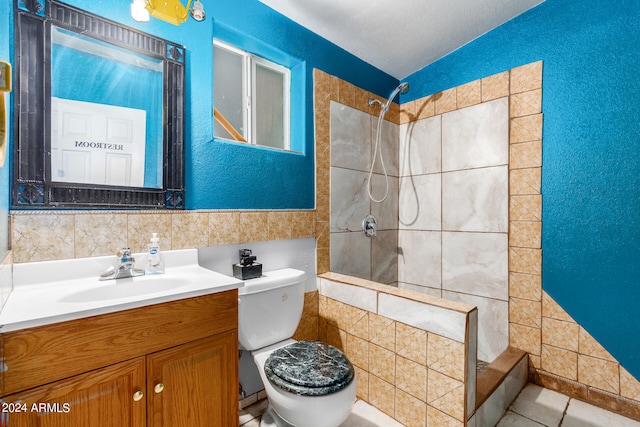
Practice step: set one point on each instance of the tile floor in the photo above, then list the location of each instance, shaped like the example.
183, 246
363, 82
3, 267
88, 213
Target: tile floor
534, 407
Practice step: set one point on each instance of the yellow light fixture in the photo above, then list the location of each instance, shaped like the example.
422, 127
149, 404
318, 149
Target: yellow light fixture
171, 11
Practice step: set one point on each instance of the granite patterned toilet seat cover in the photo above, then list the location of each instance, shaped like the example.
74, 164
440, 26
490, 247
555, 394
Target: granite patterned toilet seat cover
309, 368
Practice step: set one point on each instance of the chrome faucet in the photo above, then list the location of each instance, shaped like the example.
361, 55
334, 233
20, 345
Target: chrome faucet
125, 268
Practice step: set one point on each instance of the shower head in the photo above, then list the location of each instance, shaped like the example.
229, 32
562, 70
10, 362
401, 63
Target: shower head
402, 88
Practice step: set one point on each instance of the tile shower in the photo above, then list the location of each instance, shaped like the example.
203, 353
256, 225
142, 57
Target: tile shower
443, 229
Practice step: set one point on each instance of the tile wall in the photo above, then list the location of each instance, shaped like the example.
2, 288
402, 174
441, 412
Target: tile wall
414, 354
52, 235
577, 366
353, 135
453, 215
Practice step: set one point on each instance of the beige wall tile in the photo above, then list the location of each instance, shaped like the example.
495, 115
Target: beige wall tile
446, 356
525, 155
382, 331
336, 337
407, 112
525, 312
279, 225
525, 181
550, 308
141, 226
382, 363
346, 93
323, 131
525, 286
409, 411
358, 351
322, 84
411, 377
42, 237
254, 227
303, 224
224, 228
590, 347
335, 312
323, 234
599, 373
322, 263
97, 234
560, 361
560, 333
425, 107
525, 207
526, 77
445, 394
382, 395
525, 260
358, 322
307, 328
361, 99
496, 86
362, 383
469, 94
525, 338
445, 101
411, 343
525, 234
629, 386
525, 103
189, 230
436, 418
527, 128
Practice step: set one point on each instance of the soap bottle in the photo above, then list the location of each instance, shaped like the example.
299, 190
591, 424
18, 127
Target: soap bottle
155, 260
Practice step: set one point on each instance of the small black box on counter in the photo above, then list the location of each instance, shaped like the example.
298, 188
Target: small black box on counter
247, 268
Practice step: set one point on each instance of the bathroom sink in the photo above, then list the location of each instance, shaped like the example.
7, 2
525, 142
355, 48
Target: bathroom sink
128, 288
54, 291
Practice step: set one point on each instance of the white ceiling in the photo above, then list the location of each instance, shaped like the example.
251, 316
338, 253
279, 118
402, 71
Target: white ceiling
400, 36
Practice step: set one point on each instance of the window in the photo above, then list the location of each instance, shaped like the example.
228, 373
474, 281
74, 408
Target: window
251, 98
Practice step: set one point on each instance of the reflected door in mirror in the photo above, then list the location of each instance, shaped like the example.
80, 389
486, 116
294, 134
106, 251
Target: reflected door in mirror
97, 144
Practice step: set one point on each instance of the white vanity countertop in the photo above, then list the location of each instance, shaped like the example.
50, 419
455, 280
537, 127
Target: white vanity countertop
56, 291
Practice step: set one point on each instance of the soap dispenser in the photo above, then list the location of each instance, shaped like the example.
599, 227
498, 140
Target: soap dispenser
155, 260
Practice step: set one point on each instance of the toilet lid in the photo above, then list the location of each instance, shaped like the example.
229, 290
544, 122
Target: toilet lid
309, 368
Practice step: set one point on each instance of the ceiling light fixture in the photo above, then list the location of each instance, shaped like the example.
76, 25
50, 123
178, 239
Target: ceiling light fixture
171, 11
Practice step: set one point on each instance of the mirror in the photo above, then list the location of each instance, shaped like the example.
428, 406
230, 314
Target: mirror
99, 113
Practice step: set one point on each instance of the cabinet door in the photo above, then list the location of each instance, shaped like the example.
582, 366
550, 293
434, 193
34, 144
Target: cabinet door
195, 384
105, 397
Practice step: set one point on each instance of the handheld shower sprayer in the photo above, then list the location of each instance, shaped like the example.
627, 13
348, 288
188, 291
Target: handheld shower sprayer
402, 88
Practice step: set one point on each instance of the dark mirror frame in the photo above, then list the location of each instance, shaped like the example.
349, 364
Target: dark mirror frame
32, 185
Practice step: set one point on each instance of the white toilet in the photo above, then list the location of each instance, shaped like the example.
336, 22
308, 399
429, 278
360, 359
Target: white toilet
308, 383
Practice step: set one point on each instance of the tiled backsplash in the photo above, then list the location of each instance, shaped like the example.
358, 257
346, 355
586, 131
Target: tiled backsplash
53, 235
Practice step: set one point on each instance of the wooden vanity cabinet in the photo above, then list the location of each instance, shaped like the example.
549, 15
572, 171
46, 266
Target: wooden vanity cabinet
180, 368
103, 397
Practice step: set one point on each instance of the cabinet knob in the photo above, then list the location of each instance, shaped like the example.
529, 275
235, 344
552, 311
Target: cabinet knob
158, 388
137, 395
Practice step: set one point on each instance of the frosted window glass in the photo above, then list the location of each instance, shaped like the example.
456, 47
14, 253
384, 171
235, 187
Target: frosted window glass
270, 107
228, 83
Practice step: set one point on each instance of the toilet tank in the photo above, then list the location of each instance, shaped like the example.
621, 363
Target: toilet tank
270, 307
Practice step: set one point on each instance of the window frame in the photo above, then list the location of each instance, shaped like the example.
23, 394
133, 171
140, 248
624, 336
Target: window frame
249, 63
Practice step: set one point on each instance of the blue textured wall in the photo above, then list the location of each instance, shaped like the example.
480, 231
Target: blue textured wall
5, 55
591, 152
223, 175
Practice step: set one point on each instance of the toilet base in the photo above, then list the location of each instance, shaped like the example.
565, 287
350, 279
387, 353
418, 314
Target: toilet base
271, 419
